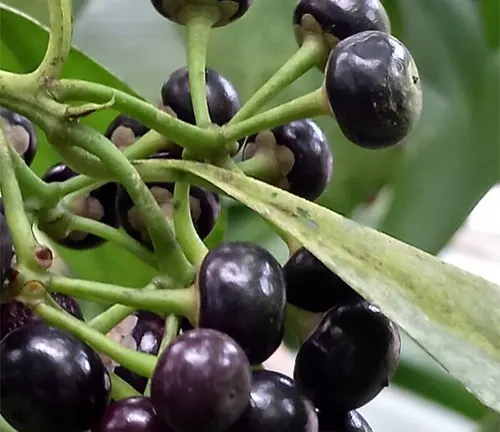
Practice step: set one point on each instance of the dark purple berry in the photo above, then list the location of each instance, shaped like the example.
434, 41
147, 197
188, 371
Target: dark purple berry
312, 286
205, 210
351, 421
243, 294
373, 87
201, 382
15, 314
98, 205
6, 249
303, 155
143, 332
276, 405
21, 134
2, 208
50, 381
135, 414
123, 131
349, 358
335, 20
230, 10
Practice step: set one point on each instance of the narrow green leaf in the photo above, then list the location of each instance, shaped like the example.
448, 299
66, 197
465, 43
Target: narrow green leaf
450, 313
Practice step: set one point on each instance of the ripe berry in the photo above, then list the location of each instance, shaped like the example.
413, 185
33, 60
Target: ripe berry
15, 314
349, 358
335, 20
143, 332
51, 381
98, 205
303, 154
373, 87
205, 210
276, 405
351, 421
6, 249
243, 294
230, 11
21, 134
124, 131
222, 99
312, 286
201, 382
134, 414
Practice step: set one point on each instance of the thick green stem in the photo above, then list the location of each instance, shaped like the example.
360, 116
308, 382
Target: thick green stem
61, 32
120, 389
140, 363
311, 52
309, 105
23, 239
182, 302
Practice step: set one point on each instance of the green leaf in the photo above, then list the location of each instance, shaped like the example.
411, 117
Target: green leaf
448, 312
22, 44
491, 423
38, 9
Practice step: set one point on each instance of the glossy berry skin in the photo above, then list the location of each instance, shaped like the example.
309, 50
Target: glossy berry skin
123, 131
134, 414
201, 382
230, 10
312, 286
143, 332
336, 20
373, 88
304, 154
98, 205
50, 381
6, 251
243, 294
21, 134
222, 98
276, 405
351, 421
349, 358
205, 210
15, 314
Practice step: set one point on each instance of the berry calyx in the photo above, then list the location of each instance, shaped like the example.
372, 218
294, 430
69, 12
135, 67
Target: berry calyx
135, 414
6, 249
312, 286
302, 154
51, 381
124, 130
372, 76
276, 405
201, 382
21, 134
243, 294
349, 359
351, 421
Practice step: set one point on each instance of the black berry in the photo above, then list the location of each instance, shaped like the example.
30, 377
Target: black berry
349, 358
276, 405
123, 131
205, 210
51, 381
6, 249
335, 20
243, 294
351, 421
303, 154
135, 414
312, 286
97, 205
15, 314
201, 382
373, 87
21, 134
230, 10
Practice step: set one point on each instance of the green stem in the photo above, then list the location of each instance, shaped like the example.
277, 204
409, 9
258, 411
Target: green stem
200, 141
312, 51
61, 31
120, 389
182, 302
140, 363
309, 105
78, 223
262, 166
4, 426
23, 239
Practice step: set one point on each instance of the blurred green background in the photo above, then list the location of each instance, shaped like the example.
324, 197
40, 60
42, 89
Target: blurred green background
420, 192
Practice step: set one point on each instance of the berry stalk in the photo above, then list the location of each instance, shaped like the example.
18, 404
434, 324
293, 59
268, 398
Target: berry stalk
311, 52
